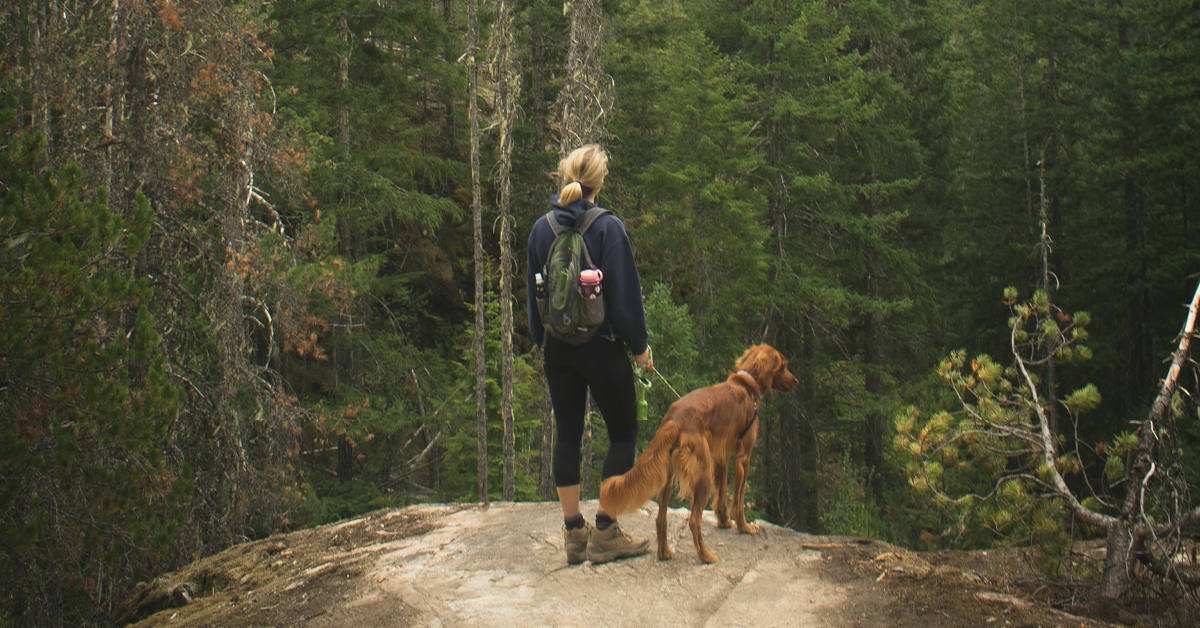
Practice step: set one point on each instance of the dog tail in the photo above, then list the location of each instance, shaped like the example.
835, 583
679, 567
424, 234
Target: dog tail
622, 494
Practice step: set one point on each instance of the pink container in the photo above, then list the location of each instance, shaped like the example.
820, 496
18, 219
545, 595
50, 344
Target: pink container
589, 283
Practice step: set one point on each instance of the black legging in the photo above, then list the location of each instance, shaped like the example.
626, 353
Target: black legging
603, 366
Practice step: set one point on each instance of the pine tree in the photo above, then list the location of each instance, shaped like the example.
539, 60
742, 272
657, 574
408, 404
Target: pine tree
88, 499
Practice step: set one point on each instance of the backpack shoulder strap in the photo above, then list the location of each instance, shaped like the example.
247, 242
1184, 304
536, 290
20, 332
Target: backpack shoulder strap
554, 226
590, 217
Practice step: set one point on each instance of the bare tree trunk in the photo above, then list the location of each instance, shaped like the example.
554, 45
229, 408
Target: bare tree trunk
342, 121
567, 94
40, 107
538, 84
586, 96
139, 90
588, 459
1118, 561
508, 87
13, 62
874, 445
345, 459
231, 332
1044, 244
546, 478
481, 466
808, 445
110, 104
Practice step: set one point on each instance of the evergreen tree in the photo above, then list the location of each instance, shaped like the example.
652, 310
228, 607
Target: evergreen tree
88, 501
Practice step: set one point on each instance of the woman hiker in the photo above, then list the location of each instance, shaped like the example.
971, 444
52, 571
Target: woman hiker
600, 364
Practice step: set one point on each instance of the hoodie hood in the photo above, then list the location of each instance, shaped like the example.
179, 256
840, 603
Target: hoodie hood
567, 215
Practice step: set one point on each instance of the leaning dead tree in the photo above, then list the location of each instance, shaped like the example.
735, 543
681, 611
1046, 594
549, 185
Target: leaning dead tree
587, 94
1143, 504
508, 85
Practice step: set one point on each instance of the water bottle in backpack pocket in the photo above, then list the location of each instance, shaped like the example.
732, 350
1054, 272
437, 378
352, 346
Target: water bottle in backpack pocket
590, 289
572, 309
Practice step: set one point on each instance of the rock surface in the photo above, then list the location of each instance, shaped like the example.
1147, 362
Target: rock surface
505, 567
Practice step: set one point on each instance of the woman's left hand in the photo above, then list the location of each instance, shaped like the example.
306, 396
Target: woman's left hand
646, 360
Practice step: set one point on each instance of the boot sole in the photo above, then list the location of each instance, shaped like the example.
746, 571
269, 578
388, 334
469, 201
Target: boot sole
610, 555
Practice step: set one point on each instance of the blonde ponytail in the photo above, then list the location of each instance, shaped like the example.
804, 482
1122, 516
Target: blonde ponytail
582, 172
571, 193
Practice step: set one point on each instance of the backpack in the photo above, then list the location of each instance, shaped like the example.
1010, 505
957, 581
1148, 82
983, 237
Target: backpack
566, 313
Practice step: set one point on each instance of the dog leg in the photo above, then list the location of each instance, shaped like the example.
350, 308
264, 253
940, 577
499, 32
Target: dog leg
741, 471
721, 503
664, 501
697, 474
699, 499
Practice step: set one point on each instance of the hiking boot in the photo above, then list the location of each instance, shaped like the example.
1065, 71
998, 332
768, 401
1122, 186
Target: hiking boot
614, 543
576, 542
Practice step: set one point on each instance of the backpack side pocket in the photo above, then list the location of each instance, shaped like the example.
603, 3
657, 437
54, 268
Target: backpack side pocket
595, 310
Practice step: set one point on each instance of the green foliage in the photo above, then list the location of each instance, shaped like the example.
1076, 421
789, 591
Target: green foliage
460, 481
693, 181
676, 354
86, 398
848, 508
993, 440
1083, 400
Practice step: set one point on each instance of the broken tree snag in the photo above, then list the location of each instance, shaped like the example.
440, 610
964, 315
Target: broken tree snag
1158, 410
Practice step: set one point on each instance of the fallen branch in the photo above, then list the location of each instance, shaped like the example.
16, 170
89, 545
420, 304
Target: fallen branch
412, 464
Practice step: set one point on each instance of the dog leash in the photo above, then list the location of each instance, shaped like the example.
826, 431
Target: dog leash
664, 380
644, 378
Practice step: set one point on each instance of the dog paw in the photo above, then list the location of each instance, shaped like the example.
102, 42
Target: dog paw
725, 524
750, 528
665, 553
708, 558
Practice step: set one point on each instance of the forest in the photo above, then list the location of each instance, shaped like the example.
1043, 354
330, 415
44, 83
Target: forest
263, 266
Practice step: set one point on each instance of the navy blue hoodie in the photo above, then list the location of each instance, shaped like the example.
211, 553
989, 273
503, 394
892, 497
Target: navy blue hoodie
611, 252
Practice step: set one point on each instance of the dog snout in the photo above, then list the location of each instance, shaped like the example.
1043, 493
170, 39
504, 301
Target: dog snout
787, 383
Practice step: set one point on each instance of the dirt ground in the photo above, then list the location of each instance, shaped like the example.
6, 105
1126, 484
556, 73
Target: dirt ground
942, 589
437, 565
286, 580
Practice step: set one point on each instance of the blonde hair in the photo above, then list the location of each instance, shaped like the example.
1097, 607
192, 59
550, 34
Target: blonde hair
581, 173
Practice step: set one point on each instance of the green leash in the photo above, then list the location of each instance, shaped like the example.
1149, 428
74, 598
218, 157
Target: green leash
643, 378
644, 383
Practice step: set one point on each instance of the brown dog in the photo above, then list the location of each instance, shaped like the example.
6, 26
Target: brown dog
692, 448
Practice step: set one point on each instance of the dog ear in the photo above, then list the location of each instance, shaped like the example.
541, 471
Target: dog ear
767, 364
746, 362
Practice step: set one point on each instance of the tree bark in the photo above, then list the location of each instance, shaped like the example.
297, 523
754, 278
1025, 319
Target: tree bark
587, 463
342, 115
1118, 561
345, 457
1044, 247
538, 84
110, 104
13, 48
481, 466
229, 314
874, 445
569, 81
509, 83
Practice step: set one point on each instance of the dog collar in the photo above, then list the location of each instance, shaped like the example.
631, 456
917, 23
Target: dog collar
754, 418
756, 384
